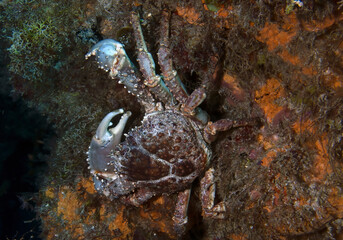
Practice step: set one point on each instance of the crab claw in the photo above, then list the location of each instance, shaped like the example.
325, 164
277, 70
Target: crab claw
105, 140
110, 56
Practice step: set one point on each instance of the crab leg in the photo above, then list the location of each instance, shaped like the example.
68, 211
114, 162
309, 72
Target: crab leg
208, 192
212, 128
193, 101
134, 85
138, 198
180, 214
147, 65
190, 106
170, 76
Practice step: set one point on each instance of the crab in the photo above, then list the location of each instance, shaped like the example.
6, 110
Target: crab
171, 147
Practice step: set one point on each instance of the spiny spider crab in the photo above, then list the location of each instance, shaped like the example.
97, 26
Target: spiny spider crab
171, 146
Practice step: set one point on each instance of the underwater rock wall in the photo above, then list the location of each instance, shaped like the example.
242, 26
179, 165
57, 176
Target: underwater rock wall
280, 61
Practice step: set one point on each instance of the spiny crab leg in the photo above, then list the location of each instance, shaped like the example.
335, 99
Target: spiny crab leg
170, 76
208, 192
189, 103
212, 128
191, 108
147, 65
180, 214
105, 139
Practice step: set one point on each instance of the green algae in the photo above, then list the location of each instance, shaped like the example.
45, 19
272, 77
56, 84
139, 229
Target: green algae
39, 33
